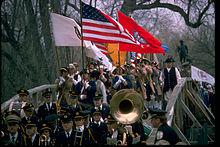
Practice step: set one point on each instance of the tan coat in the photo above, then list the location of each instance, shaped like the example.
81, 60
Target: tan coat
64, 89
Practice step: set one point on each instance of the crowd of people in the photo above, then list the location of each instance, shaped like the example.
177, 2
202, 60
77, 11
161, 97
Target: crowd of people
81, 113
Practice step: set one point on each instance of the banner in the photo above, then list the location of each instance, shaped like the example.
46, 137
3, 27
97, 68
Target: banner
113, 52
199, 75
94, 53
66, 31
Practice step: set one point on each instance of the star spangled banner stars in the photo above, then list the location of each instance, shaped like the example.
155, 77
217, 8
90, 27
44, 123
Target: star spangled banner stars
101, 28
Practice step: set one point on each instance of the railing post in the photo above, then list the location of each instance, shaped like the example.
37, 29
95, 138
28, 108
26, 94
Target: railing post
35, 99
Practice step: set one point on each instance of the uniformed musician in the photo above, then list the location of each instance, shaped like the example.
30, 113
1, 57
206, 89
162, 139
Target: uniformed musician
74, 103
164, 132
66, 137
114, 135
97, 104
46, 139
99, 128
23, 94
83, 135
52, 122
31, 133
29, 113
48, 107
120, 80
13, 136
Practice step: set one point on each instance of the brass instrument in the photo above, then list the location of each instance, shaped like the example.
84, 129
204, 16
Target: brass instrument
126, 107
2, 134
43, 140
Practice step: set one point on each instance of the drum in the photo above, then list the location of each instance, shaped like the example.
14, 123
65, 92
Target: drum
17, 106
147, 129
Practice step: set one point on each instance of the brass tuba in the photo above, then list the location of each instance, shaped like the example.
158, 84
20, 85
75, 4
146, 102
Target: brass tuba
127, 106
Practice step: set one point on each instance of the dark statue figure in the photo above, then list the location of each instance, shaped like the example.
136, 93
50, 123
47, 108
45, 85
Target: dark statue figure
183, 51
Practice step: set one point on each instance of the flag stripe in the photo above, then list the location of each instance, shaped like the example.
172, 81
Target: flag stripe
99, 27
97, 22
102, 48
107, 39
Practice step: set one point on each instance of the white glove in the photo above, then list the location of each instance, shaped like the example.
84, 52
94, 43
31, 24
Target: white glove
62, 79
121, 78
60, 83
87, 85
117, 83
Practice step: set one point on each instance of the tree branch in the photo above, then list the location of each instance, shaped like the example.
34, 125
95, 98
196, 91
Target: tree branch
177, 9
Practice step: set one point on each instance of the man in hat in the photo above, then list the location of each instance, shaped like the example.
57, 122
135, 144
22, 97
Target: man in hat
183, 51
100, 87
13, 135
185, 72
66, 137
23, 94
48, 107
97, 125
63, 85
164, 132
74, 103
120, 80
83, 136
46, 139
97, 104
32, 134
115, 135
52, 122
74, 74
171, 77
29, 113
85, 89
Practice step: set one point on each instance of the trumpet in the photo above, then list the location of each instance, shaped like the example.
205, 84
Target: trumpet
43, 140
2, 134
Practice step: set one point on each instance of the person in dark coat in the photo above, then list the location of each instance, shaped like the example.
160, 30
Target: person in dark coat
164, 132
48, 107
120, 80
97, 104
75, 105
13, 136
66, 137
29, 114
171, 77
33, 138
85, 89
99, 128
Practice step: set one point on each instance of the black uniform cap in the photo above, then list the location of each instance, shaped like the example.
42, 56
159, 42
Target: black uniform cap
28, 107
66, 118
73, 95
97, 96
156, 112
23, 92
50, 119
47, 94
170, 59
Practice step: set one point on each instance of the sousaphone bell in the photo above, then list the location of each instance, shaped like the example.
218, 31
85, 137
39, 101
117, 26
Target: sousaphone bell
127, 106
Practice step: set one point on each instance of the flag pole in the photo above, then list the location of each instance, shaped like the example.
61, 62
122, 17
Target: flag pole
81, 34
67, 58
58, 62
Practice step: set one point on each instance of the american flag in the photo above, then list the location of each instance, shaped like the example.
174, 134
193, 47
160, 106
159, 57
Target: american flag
99, 27
133, 58
102, 48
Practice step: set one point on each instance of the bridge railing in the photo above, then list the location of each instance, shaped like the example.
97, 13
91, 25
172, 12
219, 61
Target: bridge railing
35, 96
186, 109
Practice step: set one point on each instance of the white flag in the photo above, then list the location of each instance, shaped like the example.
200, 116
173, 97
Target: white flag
94, 53
199, 75
65, 30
